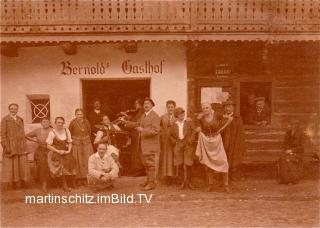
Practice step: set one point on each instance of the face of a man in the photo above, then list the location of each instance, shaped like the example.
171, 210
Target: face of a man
105, 120
102, 150
181, 116
45, 123
229, 108
13, 109
97, 105
206, 108
170, 108
260, 104
147, 105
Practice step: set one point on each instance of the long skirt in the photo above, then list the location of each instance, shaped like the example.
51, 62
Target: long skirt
211, 153
81, 150
166, 160
61, 164
290, 168
41, 159
15, 169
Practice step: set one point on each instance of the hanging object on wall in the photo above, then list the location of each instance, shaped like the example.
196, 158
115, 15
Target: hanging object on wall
10, 50
131, 47
69, 48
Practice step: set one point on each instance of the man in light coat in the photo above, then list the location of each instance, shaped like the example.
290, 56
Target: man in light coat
149, 144
102, 169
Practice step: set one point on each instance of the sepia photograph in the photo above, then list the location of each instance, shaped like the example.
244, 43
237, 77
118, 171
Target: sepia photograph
160, 113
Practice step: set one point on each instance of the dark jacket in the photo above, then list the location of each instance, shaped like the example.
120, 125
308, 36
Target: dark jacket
187, 132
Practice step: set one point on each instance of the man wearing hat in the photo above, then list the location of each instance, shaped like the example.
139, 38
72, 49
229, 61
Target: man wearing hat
149, 144
262, 114
181, 135
233, 140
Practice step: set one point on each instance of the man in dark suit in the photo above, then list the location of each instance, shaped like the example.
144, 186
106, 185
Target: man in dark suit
149, 144
95, 117
233, 137
181, 135
262, 115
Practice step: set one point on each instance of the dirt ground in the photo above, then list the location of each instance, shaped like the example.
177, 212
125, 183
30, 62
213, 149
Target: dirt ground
254, 202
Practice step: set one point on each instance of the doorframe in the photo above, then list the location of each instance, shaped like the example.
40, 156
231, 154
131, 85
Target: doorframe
83, 94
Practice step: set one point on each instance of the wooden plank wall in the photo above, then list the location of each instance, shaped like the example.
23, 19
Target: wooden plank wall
293, 69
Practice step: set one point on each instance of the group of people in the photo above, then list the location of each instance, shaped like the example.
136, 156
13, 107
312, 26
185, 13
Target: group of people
163, 148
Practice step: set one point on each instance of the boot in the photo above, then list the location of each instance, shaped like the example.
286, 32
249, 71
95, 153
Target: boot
144, 184
151, 174
44, 187
209, 188
64, 185
225, 179
150, 186
210, 181
73, 182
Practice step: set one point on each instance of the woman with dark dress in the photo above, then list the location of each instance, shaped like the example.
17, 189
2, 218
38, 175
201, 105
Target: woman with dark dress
60, 160
210, 148
291, 159
40, 136
81, 145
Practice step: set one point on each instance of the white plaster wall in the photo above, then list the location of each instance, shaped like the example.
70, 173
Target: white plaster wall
37, 70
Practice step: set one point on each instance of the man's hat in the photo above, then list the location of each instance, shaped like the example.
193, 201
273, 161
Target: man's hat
260, 99
149, 99
178, 111
229, 102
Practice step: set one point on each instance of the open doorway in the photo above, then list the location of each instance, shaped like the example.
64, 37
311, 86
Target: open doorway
115, 95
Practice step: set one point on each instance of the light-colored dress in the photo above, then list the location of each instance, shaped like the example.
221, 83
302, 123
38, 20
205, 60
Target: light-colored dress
210, 149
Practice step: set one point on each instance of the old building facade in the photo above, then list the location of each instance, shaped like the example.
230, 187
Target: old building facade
61, 55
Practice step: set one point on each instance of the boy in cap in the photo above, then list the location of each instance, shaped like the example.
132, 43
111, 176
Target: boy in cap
181, 135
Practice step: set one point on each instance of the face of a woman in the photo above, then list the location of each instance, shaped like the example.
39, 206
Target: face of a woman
105, 120
170, 108
13, 109
59, 123
206, 109
79, 115
45, 123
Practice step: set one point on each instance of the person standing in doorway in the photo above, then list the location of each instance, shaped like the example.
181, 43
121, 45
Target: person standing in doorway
81, 145
15, 171
149, 144
135, 116
166, 167
95, 117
